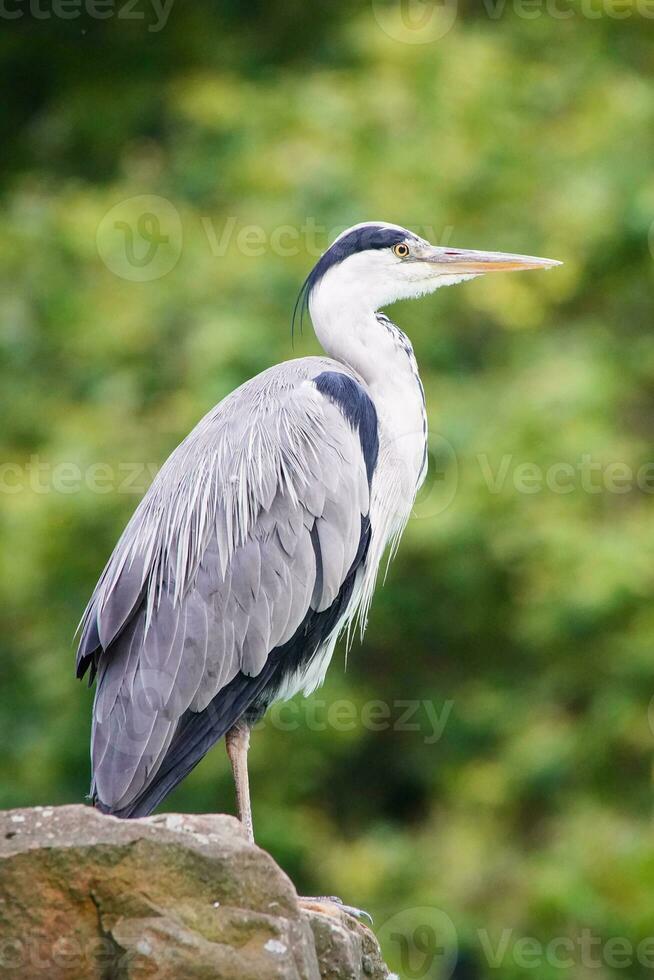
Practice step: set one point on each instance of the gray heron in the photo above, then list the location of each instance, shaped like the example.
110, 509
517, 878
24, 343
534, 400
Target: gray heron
260, 538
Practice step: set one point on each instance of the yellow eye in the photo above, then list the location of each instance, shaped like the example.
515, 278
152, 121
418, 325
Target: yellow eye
401, 250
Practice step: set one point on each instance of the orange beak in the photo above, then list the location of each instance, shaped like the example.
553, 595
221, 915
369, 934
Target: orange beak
469, 261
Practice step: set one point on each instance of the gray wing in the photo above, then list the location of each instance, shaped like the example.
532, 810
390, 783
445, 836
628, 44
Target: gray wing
253, 521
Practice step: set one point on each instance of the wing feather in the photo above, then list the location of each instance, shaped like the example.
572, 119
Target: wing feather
254, 521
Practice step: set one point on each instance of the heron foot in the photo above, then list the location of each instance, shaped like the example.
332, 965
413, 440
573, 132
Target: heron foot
332, 905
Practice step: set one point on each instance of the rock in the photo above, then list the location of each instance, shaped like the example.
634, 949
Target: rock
171, 897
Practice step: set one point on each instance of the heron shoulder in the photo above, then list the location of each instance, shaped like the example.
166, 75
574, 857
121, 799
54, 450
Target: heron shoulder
276, 438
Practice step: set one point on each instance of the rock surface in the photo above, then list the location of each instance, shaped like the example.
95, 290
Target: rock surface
171, 897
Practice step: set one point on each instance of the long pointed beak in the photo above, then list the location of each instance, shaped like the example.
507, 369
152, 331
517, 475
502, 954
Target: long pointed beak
461, 260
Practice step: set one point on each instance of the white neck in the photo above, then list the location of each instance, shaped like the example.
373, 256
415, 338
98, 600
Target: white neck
345, 322
346, 326
357, 342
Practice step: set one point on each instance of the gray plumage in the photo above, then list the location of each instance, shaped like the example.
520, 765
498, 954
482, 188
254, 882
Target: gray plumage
219, 564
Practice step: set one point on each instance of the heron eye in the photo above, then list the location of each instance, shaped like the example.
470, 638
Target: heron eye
401, 250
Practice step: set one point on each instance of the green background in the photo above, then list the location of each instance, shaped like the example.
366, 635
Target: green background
520, 614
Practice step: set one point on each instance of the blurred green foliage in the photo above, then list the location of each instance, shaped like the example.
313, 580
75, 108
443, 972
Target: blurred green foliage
520, 614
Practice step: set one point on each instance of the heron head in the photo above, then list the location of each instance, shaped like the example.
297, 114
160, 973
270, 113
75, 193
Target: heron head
374, 264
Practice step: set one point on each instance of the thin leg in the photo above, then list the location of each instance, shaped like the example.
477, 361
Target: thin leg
237, 743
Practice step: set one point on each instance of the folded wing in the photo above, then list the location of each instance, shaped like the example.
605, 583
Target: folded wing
237, 565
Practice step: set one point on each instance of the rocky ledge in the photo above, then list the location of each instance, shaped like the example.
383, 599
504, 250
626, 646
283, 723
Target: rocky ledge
171, 897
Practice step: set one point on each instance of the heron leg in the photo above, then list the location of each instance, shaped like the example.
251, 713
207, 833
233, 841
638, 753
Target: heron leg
237, 743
